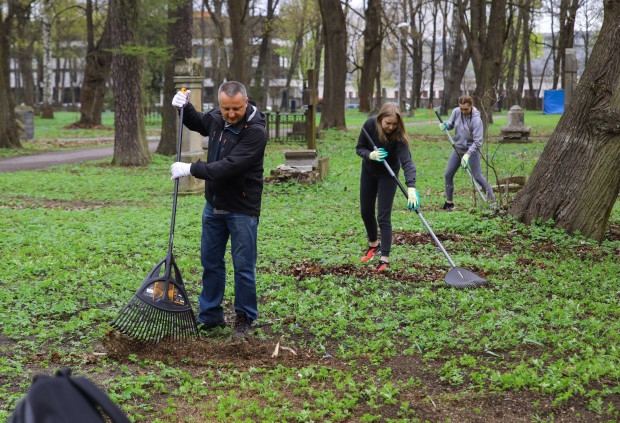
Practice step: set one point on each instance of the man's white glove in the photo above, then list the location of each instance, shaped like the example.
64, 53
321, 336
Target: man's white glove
181, 99
443, 126
180, 169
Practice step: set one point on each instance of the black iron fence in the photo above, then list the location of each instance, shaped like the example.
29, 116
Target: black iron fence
286, 128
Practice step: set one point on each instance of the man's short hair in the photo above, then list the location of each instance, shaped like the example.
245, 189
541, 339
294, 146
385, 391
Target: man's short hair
232, 88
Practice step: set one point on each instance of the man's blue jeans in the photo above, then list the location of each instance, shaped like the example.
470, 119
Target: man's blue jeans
217, 228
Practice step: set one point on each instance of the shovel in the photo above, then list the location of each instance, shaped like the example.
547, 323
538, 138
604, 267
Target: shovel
456, 277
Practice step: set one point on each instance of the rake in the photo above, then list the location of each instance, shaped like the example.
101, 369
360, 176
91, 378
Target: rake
456, 277
160, 309
473, 181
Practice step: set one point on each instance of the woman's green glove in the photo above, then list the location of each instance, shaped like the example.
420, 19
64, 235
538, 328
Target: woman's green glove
378, 155
413, 200
465, 161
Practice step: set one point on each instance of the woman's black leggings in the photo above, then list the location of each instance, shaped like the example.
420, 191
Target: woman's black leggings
380, 190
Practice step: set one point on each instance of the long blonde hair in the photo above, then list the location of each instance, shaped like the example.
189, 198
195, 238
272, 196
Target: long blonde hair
400, 134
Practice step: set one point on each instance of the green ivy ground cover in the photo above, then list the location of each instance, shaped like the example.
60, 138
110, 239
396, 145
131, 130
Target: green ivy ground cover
540, 343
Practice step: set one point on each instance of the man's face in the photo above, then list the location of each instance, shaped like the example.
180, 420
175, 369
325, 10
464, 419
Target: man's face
233, 108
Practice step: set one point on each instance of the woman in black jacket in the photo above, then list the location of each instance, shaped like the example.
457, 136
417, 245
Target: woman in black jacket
377, 186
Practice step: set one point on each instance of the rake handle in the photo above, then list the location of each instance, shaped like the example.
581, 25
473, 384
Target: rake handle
460, 157
404, 191
176, 181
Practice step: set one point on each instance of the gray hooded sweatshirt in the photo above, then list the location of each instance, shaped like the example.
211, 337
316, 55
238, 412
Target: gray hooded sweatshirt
468, 130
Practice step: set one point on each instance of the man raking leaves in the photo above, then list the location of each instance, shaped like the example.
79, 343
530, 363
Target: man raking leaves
233, 175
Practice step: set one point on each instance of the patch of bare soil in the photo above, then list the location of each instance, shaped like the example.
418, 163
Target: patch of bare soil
433, 399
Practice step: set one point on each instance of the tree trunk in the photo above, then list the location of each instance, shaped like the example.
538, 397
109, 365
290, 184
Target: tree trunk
568, 13
485, 40
417, 53
96, 73
219, 56
431, 87
237, 12
130, 144
511, 67
335, 36
455, 57
25, 51
9, 138
372, 54
47, 111
577, 179
260, 88
179, 37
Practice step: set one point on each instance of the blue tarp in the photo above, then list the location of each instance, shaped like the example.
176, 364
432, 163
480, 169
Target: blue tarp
553, 102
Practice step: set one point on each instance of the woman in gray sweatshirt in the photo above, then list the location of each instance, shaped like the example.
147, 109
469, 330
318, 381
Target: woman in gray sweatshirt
468, 133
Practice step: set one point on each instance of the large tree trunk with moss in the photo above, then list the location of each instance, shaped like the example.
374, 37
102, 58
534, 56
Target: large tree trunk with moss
577, 178
372, 54
335, 35
96, 72
179, 37
130, 144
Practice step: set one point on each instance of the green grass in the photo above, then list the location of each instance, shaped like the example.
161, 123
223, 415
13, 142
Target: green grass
78, 239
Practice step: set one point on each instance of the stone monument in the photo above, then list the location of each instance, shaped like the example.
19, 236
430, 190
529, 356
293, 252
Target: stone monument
189, 75
515, 131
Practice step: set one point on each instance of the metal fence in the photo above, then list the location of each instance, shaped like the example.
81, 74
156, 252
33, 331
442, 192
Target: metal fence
286, 128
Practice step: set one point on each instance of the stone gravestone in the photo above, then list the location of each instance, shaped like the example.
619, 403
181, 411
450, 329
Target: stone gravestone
25, 120
189, 75
515, 131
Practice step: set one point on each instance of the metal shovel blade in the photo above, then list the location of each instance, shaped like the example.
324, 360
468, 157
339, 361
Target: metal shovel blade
463, 278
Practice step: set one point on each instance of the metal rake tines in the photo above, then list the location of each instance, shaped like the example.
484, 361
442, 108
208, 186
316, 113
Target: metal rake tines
143, 322
458, 277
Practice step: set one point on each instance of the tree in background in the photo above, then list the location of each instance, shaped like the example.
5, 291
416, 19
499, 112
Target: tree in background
298, 22
219, 53
335, 34
9, 136
369, 68
237, 15
576, 181
130, 144
179, 39
96, 70
262, 75
455, 56
27, 34
486, 35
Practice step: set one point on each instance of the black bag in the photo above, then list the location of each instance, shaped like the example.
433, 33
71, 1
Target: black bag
65, 399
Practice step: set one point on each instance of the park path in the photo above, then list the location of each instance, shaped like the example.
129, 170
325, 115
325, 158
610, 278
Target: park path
55, 158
